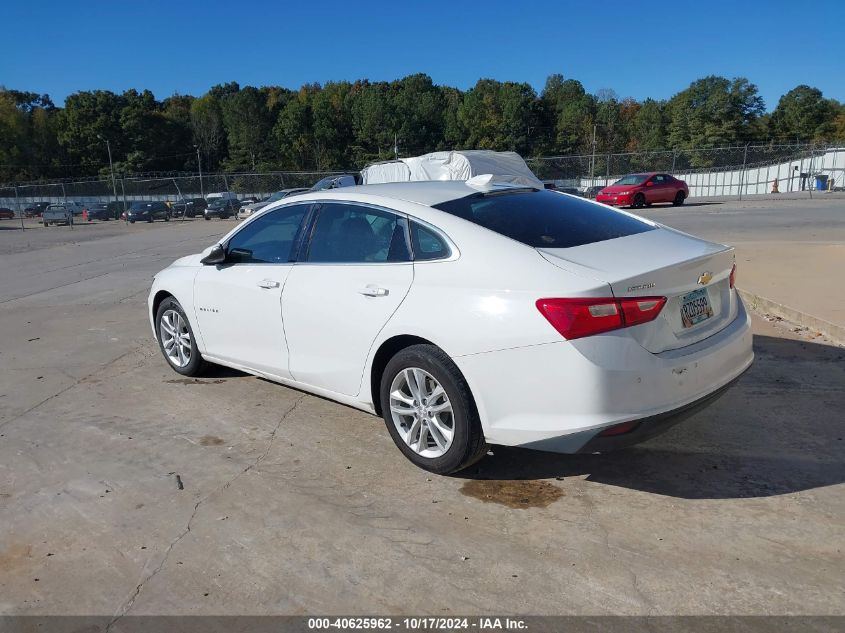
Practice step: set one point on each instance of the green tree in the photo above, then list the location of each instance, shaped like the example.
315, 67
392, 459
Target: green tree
713, 111
248, 123
499, 115
570, 113
207, 129
804, 114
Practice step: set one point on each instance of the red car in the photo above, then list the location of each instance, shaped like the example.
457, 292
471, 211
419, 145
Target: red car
6, 214
641, 190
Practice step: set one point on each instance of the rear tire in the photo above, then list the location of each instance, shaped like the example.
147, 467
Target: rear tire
450, 403
639, 201
46, 224
176, 339
679, 199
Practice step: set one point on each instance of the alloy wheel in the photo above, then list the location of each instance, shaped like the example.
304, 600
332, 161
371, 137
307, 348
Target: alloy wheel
175, 338
421, 412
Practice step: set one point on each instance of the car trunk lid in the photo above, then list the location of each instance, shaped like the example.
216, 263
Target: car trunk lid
693, 275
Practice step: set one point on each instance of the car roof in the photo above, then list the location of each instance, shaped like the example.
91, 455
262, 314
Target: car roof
429, 193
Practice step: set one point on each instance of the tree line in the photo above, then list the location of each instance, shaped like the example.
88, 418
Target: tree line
342, 125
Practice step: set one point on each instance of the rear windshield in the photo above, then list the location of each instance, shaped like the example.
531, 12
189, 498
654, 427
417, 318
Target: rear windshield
544, 219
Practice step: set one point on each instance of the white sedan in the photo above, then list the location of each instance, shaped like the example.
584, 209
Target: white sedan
466, 314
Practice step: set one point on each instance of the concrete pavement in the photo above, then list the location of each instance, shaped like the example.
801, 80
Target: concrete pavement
294, 504
790, 252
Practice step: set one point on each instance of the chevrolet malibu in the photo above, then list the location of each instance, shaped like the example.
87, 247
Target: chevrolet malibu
465, 314
643, 190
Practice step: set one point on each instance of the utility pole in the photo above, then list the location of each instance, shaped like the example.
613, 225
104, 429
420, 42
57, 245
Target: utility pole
111, 166
593, 159
742, 173
199, 166
396, 146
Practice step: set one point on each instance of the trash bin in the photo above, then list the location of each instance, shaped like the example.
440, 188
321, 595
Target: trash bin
821, 182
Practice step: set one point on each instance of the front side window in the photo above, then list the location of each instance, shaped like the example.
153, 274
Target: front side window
268, 239
544, 219
349, 233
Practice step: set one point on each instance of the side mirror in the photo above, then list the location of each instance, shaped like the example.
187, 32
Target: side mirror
649, 184
215, 256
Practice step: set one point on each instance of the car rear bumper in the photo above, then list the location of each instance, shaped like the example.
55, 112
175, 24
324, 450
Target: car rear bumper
561, 396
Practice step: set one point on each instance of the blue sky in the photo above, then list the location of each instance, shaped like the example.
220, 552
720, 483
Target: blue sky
639, 49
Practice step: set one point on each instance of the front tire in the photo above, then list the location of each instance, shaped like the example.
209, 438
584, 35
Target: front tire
679, 199
639, 201
176, 339
429, 410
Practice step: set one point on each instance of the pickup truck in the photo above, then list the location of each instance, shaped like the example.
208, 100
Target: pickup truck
57, 214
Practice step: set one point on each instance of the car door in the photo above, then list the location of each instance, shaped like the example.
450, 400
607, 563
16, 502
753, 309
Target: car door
352, 274
238, 303
661, 186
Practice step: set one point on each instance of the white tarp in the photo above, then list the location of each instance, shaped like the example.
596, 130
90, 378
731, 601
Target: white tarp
455, 165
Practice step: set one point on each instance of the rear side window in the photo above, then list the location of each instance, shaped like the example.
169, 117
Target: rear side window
427, 244
544, 219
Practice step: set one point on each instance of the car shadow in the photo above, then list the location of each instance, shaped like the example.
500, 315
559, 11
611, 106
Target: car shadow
775, 432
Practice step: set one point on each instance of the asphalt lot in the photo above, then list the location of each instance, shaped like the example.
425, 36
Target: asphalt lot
296, 505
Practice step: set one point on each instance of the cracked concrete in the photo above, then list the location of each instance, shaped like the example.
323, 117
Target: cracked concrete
292, 504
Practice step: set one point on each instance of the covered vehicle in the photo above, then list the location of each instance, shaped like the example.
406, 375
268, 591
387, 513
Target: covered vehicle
505, 167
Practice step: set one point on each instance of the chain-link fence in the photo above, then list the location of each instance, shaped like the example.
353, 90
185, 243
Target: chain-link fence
125, 189
724, 171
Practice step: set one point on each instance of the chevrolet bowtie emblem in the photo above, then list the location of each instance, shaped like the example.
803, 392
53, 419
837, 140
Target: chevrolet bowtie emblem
705, 278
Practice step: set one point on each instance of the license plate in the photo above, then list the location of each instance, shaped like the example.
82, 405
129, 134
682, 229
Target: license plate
695, 307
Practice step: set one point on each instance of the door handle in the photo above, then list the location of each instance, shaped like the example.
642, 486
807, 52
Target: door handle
268, 283
372, 290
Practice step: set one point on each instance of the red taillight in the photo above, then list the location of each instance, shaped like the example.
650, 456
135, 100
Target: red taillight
577, 318
733, 275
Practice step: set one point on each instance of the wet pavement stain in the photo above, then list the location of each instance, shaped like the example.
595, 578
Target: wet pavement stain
519, 494
194, 381
210, 440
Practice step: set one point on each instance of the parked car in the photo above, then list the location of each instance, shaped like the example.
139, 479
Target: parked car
148, 211
249, 200
226, 195
247, 210
35, 209
641, 190
6, 214
466, 314
592, 192
572, 191
58, 214
334, 182
99, 211
223, 208
117, 209
189, 207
